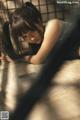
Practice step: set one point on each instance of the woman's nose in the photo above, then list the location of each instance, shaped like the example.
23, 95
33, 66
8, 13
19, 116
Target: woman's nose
32, 38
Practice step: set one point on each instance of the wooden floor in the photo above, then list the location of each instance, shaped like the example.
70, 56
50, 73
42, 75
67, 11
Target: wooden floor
62, 102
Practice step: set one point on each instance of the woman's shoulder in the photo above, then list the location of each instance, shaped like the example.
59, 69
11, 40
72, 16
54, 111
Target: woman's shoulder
54, 21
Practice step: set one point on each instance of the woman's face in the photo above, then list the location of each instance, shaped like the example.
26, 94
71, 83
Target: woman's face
33, 37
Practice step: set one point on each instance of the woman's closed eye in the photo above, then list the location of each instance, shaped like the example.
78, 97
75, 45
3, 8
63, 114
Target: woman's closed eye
28, 36
25, 36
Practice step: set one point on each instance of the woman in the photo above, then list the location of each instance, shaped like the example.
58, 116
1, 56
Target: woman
26, 30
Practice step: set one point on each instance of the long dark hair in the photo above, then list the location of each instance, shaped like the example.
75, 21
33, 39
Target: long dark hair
25, 19
21, 21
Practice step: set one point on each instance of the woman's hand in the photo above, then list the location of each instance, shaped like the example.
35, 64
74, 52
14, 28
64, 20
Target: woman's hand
32, 59
28, 59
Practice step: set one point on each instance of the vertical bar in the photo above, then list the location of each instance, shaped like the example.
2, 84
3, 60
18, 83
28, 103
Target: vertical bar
47, 10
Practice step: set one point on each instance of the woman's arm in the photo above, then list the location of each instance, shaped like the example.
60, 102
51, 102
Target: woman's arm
51, 35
